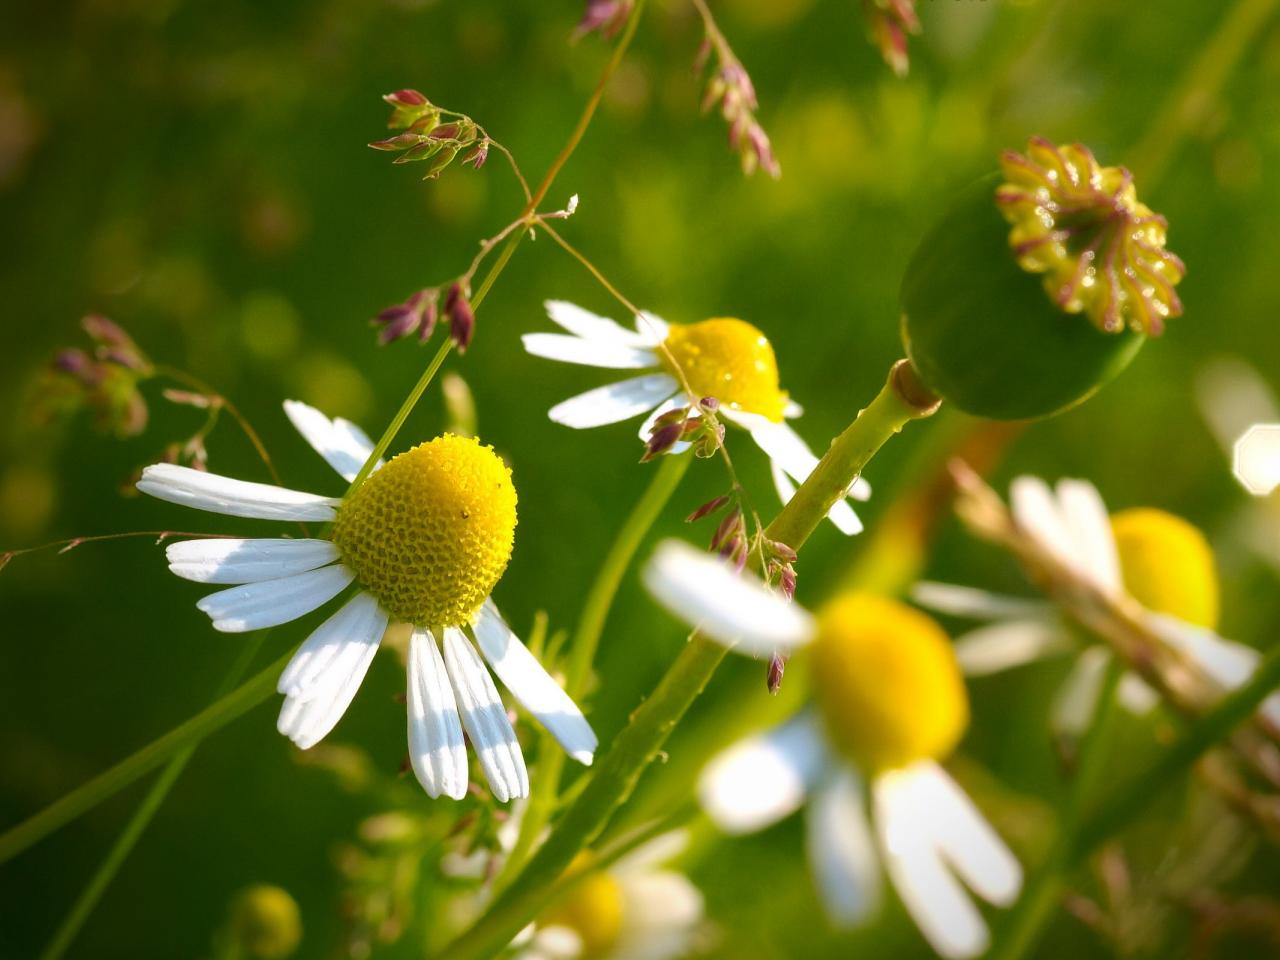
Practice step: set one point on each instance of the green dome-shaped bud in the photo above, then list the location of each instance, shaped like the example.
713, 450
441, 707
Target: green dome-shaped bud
1038, 286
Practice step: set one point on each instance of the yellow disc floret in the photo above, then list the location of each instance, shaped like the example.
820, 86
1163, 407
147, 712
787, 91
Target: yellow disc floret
887, 682
730, 360
593, 910
430, 534
1167, 565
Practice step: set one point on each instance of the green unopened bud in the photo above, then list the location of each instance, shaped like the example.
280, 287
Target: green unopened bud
1024, 322
265, 923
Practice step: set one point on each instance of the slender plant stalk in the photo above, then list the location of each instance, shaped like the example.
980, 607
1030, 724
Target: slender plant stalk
544, 792
1122, 806
217, 715
617, 771
141, 818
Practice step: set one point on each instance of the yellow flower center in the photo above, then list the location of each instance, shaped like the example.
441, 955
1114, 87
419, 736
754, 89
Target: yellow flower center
430, 534
888, 684
730, 360
1167, 565
592, 909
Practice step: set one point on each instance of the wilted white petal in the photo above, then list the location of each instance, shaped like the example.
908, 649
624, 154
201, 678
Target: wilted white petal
522, 674
228, 560
1089, 525
485, 718
841, 850
436, 747
273, 602
738, 611
591, 353
236, 498
334, 648
1074, 703
976, 604
764, 778
934, 898
967, 841
343, 445
590, 326
614, 402
1000, 646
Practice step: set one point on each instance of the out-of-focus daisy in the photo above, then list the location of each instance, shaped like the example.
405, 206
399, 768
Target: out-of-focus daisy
1158, 560
891, 704
635, 910
424, 540
724, 357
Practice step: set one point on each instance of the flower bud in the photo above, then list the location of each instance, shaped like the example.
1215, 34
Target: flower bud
990, 334
265, 923
462, 319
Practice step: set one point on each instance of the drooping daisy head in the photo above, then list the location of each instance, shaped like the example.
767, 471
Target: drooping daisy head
637, 909
891, 703
425, 539
724, 357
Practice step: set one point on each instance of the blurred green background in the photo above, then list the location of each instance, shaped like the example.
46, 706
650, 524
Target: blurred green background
198, 172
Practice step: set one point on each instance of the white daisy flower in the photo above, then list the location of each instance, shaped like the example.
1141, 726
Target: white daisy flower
725, 358
891, 704
634, 910
1159, 560
424, 539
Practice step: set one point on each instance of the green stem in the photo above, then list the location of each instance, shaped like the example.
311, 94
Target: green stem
618, 770
217, 715
1085, 834
141, 818
586, 639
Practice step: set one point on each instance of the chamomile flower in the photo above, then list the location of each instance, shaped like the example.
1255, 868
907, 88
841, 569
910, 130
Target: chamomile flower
1154, 558
637, 909
723, 357
425, 540
890, 705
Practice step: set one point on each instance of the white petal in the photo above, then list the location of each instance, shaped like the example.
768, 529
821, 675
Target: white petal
554, 943
975, 604
792, 410
344, 446
764, 778
652, 854
1227, 663
436, 747
306, 721
273, 602
614, 402
591, 353
1135, 696
1012, 643
652, 327
841, 850
674, 403
934, 898
738, 611
788, 451
228, 560
1090, 527
522, 674
237, 498
860, 490
966, 839
662, 909
334, 648
485, 718
1074, 703
590, 326
1035, 510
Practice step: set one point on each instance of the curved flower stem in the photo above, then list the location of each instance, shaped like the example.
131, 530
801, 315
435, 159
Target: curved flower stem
1129, 799
141, 818
585, 641
618, 769
217, 715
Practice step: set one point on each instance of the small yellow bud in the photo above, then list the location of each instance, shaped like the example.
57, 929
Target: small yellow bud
1167, 565
265, 923
592, 909
887, 682
730, 360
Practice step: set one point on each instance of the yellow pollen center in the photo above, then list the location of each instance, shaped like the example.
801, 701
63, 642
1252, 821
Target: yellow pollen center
730, 360
430, 534
1167, 565
888, 684
592, 909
